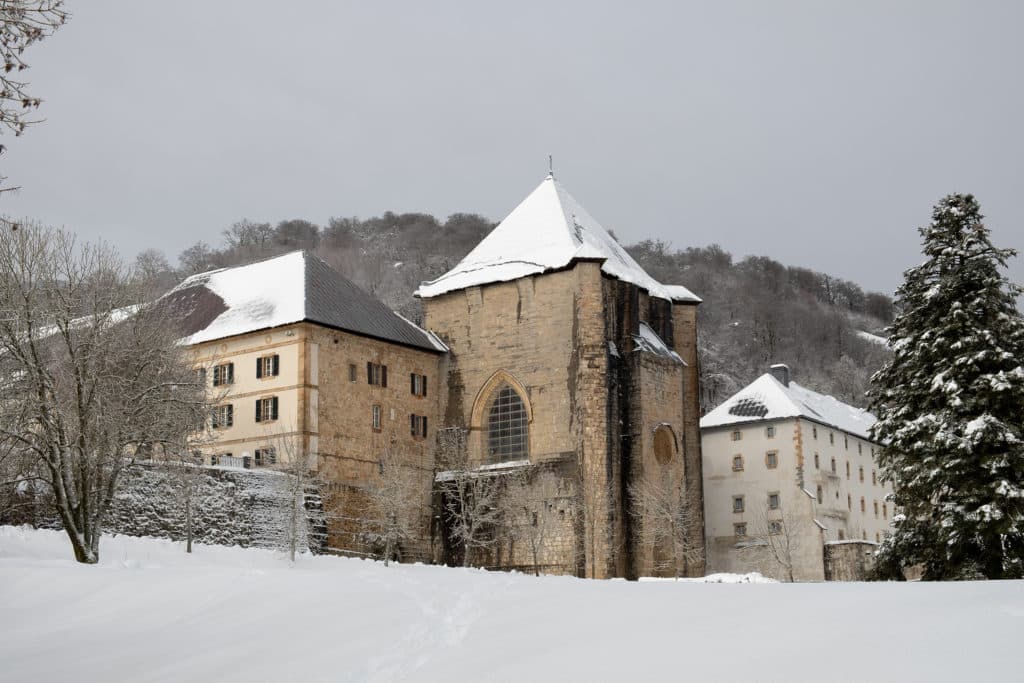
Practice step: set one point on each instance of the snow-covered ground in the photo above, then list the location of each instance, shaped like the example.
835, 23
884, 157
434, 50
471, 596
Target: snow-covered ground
148, 612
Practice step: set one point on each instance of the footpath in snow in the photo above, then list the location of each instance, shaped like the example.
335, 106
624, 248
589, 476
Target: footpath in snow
149, 612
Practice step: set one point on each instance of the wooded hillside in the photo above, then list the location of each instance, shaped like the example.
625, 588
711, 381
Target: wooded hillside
756, 311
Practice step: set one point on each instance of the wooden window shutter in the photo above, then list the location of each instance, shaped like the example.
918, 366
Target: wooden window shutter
231, 415
423, 380
273, 408
259, 368
231, 373
276, 363
384, 376
412, 383
412, 425
424, 426
259, 410
369, 373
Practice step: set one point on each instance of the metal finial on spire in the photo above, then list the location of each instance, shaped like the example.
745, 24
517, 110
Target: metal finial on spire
551, 167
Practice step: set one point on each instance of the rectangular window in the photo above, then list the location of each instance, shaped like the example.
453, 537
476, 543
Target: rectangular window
860, 448
771, 459
876, 509
820, 494
846, 442
737, 435
266, 409
265, 456
863, 506
223, 416
377, 374
216, 458
223, 374
847, 469
770, 432
739, 530
418, 426
352, 372
418, 384
773, 501
817, 462
737, 463
774, 527
860, 472
874, 478
201, 376
268, 366
375, 415
737, 503
842, 535
832, 439
885, 511
814, 432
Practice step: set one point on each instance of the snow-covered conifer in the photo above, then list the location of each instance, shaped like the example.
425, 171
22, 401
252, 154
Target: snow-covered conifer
950, 404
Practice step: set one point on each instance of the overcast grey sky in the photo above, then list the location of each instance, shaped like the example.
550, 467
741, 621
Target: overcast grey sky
818, 133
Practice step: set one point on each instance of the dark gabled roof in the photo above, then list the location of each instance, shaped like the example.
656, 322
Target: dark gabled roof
335, 301
291, 288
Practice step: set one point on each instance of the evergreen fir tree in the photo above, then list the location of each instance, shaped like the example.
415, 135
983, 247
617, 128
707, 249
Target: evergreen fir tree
950, 404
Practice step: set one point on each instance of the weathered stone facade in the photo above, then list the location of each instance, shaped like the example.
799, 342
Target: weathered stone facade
566, 340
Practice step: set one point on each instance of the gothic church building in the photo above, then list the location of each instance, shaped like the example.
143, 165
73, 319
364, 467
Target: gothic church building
564, 353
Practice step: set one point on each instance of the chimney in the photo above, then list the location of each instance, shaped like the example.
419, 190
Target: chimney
780, 371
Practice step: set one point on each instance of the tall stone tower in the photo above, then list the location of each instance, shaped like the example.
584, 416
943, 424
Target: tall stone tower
566, 354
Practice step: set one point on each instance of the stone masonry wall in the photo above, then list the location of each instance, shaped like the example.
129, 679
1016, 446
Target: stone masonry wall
348, 446
248, 508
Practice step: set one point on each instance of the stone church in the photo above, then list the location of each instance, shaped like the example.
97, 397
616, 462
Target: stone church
547, 349
563, 352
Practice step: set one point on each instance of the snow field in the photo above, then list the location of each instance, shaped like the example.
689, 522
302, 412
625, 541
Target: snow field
149, 612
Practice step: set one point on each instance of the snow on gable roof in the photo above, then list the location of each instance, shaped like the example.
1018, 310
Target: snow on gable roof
547, 231
766, 398
286, 289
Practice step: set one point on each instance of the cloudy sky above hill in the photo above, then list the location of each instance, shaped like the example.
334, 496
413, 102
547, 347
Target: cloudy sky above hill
817, 133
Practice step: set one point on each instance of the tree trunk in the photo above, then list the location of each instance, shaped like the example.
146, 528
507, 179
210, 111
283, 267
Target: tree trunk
188, 525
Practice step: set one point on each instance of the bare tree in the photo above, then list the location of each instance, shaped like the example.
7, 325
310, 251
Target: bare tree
396, 503
776, 535
534, 507
666, 520
302, 477
184, 467
22, 23
470, 494
92, 378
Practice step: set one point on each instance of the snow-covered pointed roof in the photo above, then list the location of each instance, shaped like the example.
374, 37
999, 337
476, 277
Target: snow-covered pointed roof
286, 289
547, 231
766, 398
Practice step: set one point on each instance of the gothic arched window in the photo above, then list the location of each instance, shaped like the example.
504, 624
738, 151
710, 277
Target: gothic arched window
507, 427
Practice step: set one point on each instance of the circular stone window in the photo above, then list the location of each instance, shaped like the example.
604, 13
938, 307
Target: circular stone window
664, 444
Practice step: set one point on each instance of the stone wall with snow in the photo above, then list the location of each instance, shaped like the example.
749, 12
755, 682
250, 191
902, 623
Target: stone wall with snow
230, 506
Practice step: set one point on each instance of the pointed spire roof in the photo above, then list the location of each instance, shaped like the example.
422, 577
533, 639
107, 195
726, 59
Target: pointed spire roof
547, 231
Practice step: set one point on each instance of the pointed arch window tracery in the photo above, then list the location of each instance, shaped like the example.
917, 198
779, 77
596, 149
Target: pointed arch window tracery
507, 436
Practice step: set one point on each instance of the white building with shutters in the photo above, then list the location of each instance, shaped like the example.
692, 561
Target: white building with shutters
789, 476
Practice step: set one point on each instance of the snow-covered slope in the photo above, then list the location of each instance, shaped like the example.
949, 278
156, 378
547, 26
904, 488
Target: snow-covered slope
766, 398
148, 612
547, 231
